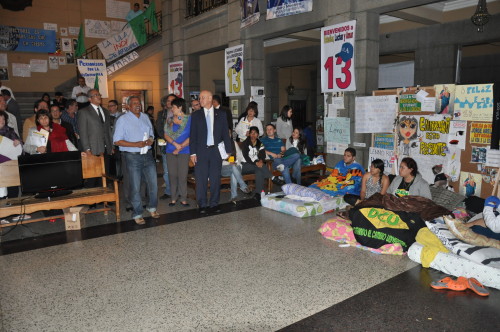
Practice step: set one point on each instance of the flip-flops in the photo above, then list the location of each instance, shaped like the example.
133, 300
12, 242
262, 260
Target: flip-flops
461, 284
477, 287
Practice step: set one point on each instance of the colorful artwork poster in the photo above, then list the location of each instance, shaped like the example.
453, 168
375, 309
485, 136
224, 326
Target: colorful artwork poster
250, 13
281, 8
375, 114
480, 133
234, 71
478, 154
470, 184
338, 130
383, 141
337, 57
445, 94
21, 39
175, 78
383, 154
409, 103
474, 102
458, 134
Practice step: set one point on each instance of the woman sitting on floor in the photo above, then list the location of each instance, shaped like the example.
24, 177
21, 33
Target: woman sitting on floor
409, 181
255, 160
57, 139
374, 181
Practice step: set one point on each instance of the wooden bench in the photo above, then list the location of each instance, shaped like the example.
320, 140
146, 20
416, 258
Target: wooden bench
92, 167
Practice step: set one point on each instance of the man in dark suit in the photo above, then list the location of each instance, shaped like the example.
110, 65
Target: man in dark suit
208, 129
94, 126
216, 101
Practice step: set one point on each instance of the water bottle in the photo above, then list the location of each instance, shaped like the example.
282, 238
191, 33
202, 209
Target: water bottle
262, 194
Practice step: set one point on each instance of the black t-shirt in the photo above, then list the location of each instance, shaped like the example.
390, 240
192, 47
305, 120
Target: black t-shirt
403, 189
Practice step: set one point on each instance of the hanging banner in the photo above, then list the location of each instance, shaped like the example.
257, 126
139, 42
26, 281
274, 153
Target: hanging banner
337, 57
338, 130
280, 8
27, 39
89, 69
250, 13
234, 71
375, 114
474, 102
119, 44
175, 75
122, 62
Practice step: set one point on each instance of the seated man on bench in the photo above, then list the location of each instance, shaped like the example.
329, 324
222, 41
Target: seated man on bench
275, 150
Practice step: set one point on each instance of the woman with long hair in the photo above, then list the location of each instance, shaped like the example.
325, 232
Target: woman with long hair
409, 181
284, 125
374, 181
297, 140
248, 119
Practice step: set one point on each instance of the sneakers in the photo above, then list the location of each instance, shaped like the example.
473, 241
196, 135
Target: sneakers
21, 217
280, 167
246, 190
140, 221
4, 222
276, 180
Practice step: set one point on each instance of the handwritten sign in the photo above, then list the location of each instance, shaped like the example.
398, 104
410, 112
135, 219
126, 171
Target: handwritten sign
27, 39
383, 141
338, 130
474, 102
375, 114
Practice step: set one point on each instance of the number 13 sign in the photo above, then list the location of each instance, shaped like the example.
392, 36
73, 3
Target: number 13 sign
234, 71
337, 57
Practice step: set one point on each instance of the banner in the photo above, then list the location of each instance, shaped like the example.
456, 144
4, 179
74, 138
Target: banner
281, 8
92, 67
234, 71
27, 39
474, 102
119, 44
122, 62
375, 114
337, 57
338, 130
175, 75
250, 13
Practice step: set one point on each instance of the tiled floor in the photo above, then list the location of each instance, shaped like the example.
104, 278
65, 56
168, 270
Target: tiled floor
246, 269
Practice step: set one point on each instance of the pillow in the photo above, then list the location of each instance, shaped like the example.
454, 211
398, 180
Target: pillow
444, 197
295, 189
467, 235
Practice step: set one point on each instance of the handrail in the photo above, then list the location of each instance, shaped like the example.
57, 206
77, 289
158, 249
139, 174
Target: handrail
94, 52
198, 7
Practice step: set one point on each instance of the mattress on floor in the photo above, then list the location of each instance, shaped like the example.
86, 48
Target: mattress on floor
457, 266
301, 208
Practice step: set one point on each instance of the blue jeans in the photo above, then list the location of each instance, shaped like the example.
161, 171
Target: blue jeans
141, 167
236, 178
165, 173
292, 161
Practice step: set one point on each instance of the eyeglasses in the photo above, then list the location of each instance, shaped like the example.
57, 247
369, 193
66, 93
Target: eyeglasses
95, 95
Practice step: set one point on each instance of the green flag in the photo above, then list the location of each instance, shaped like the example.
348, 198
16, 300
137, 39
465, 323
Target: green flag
80, 47
96, 82
139, 27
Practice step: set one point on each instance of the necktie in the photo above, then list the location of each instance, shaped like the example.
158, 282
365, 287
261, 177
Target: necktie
101, 115
210, 136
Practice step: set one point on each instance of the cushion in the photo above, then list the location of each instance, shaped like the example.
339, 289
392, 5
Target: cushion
465, 234
295, 189
446, 198
483, 255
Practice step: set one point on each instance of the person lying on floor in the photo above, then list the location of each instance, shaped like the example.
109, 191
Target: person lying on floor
409, 181
374, 181
255, 155
489, 225
345, 178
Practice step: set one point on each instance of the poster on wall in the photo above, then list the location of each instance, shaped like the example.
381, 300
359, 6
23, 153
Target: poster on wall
66, 45
375, 114
97, 28
117, 9
480, 133
4, 74
458, 134
383, 154
91, 68
453, 164
336, 148
337, 57
409, 103
470, 184
53, 62
383, 141
250, 13
445, 94
234, 80
38, 66
478, 154
338, 130
474, 102
281, 8
4, 62
20, 39
175, 75
21, 70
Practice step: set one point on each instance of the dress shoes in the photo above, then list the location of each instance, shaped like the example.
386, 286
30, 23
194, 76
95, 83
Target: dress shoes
215, 209
202, 210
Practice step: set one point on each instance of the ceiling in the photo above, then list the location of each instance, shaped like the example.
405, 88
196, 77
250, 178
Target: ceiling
405, 19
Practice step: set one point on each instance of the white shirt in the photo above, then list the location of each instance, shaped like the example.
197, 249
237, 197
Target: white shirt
78, 89
491, 221
211, 114
99, 113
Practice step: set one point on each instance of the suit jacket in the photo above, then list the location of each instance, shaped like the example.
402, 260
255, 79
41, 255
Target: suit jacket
94, 134
229, 116
198, 135
13, 108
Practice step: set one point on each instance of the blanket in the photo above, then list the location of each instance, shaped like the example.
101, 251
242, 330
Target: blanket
339, 183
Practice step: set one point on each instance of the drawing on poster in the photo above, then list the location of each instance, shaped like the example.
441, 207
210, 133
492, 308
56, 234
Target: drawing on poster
408, 134
446, 94
478, 155
470, 184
